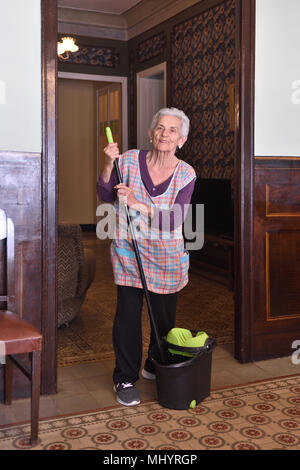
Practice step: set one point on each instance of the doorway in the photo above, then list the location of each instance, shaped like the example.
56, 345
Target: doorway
86, 105
151, 96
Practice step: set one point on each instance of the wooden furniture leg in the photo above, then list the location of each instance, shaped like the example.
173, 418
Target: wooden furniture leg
35, 394
8, 380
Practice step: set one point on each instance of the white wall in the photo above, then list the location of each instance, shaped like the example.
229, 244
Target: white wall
277, 78
20, 75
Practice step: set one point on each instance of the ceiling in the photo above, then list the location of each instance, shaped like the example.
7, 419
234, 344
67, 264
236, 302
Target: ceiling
115, 19
116, 7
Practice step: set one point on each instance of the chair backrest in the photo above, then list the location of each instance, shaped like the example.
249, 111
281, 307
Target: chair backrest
7, 234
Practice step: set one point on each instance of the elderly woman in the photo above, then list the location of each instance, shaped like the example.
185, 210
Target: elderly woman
154, 182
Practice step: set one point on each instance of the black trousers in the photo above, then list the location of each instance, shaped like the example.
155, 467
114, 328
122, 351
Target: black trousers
127, 329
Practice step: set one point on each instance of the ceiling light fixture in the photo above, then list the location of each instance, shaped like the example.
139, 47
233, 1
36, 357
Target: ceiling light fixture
65, 47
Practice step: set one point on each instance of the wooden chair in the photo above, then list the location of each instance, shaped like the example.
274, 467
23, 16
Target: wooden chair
16, 335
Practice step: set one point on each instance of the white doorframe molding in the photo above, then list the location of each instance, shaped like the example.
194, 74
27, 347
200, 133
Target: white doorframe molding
144, 74
107, 78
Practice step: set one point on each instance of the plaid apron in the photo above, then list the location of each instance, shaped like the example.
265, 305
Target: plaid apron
165, 261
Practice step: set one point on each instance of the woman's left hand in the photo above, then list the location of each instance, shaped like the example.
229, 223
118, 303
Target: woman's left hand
126, 195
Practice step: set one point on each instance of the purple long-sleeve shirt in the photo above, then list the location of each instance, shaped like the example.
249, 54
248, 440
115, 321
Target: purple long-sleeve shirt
107, 193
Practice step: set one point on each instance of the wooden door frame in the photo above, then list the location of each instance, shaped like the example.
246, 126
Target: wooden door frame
244, 152
244, 179
49, 196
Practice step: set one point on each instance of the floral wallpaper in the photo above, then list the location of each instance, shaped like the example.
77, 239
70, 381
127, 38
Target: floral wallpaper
91, 55
151, 48
203, 67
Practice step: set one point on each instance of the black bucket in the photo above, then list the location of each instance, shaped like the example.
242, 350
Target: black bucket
183, 382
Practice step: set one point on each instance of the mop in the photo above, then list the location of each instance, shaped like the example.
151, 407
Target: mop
138, 258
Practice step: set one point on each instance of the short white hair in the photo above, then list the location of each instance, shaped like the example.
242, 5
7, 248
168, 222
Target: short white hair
185, 122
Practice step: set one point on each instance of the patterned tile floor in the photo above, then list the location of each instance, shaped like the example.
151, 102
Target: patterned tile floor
89, 386
260, 416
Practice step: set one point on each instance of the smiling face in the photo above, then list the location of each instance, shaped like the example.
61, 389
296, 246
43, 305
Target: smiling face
166, 134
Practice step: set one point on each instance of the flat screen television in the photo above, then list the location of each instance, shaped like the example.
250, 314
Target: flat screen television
216, 196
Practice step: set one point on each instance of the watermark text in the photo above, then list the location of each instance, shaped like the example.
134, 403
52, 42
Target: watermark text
165, 224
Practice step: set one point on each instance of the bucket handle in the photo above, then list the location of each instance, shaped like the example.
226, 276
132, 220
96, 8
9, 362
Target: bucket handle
210, 344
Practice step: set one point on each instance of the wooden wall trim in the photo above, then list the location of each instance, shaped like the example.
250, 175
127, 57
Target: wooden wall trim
19, 155
49, 195
244, 145
282, 163
277, 158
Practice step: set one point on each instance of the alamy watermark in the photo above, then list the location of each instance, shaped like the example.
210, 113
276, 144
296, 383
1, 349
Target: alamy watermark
166, 225
296, 354
295, 98
2, 352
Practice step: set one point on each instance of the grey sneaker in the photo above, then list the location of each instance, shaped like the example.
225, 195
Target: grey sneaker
148, 375
127, 394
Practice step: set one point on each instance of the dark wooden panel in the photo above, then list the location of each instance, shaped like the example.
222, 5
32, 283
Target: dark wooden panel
20, 197
283, 274
283, 200
277, 190
276, 251
277, 344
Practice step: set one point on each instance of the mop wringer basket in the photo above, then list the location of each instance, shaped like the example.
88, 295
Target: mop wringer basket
183, 380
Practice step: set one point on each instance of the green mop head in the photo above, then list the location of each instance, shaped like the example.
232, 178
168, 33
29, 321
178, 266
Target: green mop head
183, 337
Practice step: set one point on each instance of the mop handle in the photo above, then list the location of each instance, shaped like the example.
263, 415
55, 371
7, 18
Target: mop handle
137, 254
